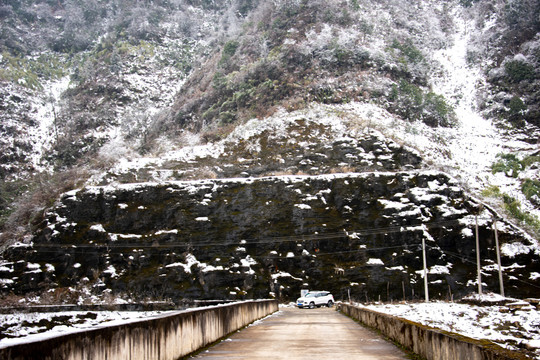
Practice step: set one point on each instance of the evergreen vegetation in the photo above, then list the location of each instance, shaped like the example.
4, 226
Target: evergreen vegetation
518, 71
531, 188
511, 164
411, 102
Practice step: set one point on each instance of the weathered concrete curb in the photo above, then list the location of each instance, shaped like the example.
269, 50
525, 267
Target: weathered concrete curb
168, 337
428, 342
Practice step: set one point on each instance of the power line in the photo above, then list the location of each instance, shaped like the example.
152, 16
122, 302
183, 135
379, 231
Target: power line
254, 241
106, 248
271, 256
465, 259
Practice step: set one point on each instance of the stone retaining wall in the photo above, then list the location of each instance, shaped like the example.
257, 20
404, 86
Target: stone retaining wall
169, 337
429, 342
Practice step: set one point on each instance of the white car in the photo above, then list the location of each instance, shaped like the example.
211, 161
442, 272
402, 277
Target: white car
315, 298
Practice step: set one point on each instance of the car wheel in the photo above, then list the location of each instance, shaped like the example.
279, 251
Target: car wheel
312, 305
330, 303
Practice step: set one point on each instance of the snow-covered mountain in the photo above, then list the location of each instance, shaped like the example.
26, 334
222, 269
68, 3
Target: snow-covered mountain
104, 93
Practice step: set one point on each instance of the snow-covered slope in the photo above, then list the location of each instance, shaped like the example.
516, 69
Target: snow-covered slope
466, 151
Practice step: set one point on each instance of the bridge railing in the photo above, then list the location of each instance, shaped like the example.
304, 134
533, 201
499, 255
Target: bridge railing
163, 338
430, 343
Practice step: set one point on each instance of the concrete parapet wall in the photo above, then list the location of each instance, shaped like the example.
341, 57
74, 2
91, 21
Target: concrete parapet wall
165, 338
429, 342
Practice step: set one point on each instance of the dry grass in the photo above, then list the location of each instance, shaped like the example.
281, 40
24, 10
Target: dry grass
30, 208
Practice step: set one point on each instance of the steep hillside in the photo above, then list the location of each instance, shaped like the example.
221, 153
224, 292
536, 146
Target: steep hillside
78, 75
439, 96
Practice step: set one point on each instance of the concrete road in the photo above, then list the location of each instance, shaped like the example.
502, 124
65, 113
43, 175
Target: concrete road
295, 333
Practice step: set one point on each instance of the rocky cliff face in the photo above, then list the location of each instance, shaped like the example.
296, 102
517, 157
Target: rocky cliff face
254, 238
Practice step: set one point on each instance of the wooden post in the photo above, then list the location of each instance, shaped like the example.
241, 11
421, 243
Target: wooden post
425, 269
498, 257
478, 269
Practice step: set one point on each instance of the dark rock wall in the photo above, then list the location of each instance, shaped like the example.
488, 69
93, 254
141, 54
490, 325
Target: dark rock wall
252, 238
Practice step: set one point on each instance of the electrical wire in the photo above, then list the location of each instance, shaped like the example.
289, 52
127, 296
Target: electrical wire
107, 247
254, 241
468, 260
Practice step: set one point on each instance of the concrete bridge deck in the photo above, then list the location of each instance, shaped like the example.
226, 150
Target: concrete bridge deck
295, 333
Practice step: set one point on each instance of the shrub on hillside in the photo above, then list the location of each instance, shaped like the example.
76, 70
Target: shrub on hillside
228, 51
513, 206
410, 102
517, 71
33, 197
408, 50
509, 164
531, 189
516, 105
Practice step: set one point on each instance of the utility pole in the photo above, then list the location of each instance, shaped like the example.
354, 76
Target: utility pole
498, 256
478, 270
425, 268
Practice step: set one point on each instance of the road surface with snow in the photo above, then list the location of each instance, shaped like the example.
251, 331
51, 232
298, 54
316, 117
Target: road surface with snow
295, 333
